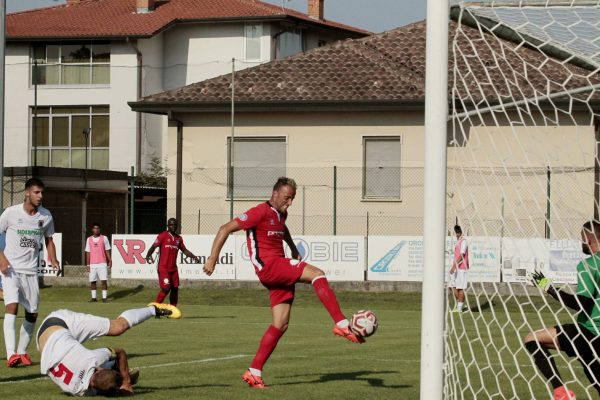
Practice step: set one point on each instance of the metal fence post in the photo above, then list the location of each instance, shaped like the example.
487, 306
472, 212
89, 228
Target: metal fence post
547, 222
131, 200
334, 200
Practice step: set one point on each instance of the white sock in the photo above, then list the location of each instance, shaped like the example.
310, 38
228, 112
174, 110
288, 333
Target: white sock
137, 315
104, 293
255, 372
25, 336
343, 323
93, 294
459, 306
10, 334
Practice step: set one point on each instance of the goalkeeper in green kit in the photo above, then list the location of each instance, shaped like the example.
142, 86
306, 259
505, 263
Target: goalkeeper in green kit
581, 340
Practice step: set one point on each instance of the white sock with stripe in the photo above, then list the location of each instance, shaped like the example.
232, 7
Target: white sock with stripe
137, 315
10, 334
25, 336
255, 372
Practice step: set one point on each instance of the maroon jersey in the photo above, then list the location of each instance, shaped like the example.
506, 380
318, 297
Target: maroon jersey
265, 230
169, 246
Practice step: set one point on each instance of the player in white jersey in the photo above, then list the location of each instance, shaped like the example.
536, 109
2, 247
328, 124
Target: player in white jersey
83, 372
25, 226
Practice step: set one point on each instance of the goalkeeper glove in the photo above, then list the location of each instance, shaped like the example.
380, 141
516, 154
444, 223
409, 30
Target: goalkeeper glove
538, 279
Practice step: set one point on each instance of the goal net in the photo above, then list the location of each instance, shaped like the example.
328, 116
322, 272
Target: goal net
523, 177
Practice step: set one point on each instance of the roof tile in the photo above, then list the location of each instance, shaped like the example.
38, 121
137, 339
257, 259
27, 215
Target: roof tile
118, 18
387, 67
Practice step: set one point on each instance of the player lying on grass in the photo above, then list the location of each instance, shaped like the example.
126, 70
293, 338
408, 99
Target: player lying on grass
266, 231
579, 340
83, 372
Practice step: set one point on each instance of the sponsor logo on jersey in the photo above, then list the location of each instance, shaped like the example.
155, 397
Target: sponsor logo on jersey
272, 222
30, 232
276, 233
27, 242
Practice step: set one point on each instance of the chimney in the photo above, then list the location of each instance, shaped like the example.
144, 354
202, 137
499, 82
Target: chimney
71, 2
315, 9
144, 6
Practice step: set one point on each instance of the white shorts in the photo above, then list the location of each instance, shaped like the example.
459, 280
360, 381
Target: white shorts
98, 272
81, 326
458, 279
22, 289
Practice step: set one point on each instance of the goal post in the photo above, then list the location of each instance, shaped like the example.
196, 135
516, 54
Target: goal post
522, 164
436, 116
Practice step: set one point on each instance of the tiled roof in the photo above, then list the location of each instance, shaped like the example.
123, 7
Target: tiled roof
118, 18
382, 68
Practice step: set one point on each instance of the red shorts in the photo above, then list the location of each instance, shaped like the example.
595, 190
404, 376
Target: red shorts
168, 279
280, 275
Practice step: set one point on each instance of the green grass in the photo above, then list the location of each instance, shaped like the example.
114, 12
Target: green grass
209, 349
203, 355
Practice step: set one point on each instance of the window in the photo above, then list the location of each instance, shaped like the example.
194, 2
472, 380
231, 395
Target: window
58, 135
381, 173
70, 64
289, 43
253, 41
258, 162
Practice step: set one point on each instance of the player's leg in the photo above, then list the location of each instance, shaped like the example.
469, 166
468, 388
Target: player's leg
93, 290
317, 278
104, 290
174, 294
11, 302
539, 342
164, 281
29, 298
93, 277
103, 276
280, 320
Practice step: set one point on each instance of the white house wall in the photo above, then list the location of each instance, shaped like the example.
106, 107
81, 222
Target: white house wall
20, 97
194, 53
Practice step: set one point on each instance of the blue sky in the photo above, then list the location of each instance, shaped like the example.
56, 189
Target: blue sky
372, 15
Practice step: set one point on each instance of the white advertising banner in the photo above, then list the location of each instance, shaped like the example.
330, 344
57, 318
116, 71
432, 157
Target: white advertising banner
558, 259
400, 258
129, 251
45, 269
342, 258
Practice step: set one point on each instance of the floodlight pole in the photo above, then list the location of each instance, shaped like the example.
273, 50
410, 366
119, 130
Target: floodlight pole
434, 221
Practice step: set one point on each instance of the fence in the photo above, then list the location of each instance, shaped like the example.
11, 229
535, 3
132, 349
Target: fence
518, 202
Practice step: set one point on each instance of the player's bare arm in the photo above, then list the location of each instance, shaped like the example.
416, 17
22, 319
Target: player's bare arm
108, 258
149, 258
123, 366
4, 264
87, 261
222, 235
192, 256
52, 254
287, 237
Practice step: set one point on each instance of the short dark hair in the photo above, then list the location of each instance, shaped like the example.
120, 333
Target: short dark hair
171, 220
34, 182
283, 181
95, 224
457, 229
107, 381
592, 226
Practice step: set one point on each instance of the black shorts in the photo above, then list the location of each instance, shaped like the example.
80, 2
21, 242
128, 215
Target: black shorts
48, 322
577, 341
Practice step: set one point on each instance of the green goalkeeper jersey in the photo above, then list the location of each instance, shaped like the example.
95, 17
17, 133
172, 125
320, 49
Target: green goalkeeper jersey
588, 285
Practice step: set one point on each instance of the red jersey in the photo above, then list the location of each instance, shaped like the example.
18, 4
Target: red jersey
169, 246
265, 230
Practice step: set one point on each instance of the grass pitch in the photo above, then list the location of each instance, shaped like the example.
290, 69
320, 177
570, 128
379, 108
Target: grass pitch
203, 355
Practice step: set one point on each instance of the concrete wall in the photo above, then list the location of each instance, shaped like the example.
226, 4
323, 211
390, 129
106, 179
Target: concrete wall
477, 177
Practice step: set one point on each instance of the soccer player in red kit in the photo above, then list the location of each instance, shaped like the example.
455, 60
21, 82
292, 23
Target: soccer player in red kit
169, 243
266, 231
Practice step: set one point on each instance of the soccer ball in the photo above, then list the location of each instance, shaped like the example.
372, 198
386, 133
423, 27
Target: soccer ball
364, 323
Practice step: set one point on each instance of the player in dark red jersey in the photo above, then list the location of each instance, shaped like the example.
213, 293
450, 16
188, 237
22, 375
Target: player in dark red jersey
169, 243
266, 231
